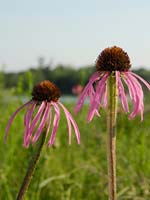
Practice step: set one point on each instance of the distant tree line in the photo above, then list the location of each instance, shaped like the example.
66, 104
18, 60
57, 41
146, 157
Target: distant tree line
65, 77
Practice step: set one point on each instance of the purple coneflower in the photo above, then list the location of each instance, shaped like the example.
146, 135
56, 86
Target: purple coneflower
39, 113
113, 61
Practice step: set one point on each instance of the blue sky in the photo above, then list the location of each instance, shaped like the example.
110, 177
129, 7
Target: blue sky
72, 32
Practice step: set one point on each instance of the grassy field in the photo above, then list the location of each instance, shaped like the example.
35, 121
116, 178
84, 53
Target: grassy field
77, 172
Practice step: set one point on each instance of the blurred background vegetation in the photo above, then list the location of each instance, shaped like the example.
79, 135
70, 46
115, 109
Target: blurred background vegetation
65, 77
76, 172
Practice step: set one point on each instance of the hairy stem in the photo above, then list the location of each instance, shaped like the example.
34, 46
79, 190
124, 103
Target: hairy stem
32, 165
111, 135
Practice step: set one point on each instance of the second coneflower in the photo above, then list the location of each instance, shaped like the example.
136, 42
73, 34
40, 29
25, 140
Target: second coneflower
40, 111
103, 89
113, 62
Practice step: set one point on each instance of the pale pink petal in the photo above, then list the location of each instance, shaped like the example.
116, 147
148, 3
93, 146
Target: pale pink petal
91, 95
13, 116
121, 91
55, 123
29, 112
75, 128
133, 95
130, 88
105, 97
140, 95
37, 116
42, 124
141, 79
137, 85
85, 92
136, 95
70, 121
34, 122
100, 90
49, 118
27, 121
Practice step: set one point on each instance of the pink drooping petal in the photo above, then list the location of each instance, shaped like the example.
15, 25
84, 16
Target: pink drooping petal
139, 93
133, 96
141, 79
85, 92
136, 94
70, 121
27, 122
31, 128
13, 116
29, 113
42, 124
91, 95
49, 118
105, 97
100, 90
137, 87
55, 123
121, 91
37, 117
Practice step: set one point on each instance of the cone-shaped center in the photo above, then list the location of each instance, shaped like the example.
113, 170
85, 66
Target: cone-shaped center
113, 59
45, 90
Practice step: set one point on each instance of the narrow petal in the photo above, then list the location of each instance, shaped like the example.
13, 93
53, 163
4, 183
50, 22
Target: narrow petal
70, 121
122, 92
55, 123
84, 94
27, 122
136, 95
140, 95
105, 97
133, 95
42, 124
29, 112
34, 122
100, 91
49, 118
37, 116
130, 88
13, 116
141, 79
91, 95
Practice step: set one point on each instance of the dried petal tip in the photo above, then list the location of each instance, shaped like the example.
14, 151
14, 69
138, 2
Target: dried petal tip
113, 59
46, 91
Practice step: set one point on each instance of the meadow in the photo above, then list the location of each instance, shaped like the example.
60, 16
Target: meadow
77, 172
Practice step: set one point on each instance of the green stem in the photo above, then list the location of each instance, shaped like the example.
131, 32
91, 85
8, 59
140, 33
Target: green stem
111, 135
32, 165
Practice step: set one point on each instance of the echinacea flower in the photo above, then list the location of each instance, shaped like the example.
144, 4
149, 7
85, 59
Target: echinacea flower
113, 61
39, 113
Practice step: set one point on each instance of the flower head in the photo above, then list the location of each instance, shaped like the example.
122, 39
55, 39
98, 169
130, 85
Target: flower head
39, 113
113, 61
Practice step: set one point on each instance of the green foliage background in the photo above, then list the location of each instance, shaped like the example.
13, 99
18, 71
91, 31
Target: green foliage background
63, 76
75, 172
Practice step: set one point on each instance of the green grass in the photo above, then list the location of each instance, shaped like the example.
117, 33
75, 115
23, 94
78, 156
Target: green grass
77, 172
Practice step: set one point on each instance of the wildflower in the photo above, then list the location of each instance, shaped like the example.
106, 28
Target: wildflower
39, 112
77, 89
113, 61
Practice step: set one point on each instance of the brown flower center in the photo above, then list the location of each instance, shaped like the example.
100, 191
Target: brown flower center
45, 91
113, 59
